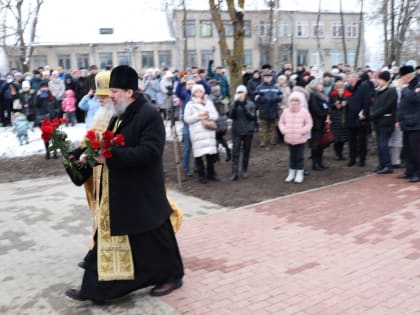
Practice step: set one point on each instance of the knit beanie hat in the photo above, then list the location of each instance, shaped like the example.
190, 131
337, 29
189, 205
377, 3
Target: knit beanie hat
197, 87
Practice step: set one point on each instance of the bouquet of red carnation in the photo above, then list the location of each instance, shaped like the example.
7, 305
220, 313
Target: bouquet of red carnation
101, 145
55, 136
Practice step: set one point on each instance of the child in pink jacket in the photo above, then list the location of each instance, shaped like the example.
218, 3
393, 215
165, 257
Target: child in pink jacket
68, 105
295, 123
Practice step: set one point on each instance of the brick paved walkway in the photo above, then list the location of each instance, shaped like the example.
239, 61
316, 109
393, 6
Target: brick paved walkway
351, 248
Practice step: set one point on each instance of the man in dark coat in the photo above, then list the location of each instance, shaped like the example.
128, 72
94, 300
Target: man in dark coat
408, 118
357, 116
267, 96
383, 116
134, 203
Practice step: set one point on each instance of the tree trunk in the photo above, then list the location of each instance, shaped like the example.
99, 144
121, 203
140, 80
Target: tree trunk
22, 51
385, 27
343, 30
232, 57
359, 36
318, 39
184, 35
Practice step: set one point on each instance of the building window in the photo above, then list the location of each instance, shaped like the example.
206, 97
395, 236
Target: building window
301, 30
336, 30
39, 61
147, 59
192, 58
165, 58
336, 57
315, 59
302, 56
263, 56
190, 28
82, 61
228, 28
284, 29
123, 58
206, 28
265, 28
351, 56
352, 30
248, 57
247, 28
318, 30
64, 61
206, 56
105, 59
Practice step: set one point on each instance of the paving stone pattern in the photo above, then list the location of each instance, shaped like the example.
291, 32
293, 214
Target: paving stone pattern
350, 248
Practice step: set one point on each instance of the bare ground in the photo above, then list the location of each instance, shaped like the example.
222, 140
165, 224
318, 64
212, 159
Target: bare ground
267, 171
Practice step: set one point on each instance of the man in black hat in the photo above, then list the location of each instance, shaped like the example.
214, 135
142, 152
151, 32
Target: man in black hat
408, 119
135, 245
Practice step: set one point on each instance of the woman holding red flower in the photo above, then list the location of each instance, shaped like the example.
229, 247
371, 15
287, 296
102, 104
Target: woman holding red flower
338, 103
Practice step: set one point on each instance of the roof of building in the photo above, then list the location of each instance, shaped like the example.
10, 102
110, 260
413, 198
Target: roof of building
119, 23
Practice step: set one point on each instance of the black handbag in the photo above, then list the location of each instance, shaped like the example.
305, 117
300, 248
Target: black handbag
79, 173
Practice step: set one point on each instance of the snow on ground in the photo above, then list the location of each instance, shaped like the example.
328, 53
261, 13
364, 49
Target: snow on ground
9, 144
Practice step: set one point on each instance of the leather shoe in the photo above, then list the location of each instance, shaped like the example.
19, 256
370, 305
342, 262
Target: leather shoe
75, 295
233, 177
82, 264
166, 288
403, 176
351, 163
317, 167
414, 179
213, 178
385, 170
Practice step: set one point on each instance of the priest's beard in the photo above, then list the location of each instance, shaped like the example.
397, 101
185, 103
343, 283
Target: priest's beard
120, 107
103, 116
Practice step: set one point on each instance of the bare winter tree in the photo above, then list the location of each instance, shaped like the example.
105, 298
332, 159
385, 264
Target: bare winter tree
184, 35
343, 33
232, 56
19, 29
359, 36
397, 16
318, 38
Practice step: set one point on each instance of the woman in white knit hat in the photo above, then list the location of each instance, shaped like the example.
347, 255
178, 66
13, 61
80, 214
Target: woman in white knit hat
201, 115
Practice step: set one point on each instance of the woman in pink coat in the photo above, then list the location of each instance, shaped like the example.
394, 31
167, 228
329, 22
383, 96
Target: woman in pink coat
295, 123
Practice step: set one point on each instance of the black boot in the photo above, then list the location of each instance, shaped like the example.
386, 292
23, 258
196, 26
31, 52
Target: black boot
321, 160
228, 154
245, 162
234, 175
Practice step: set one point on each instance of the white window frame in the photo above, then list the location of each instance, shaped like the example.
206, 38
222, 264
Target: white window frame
284, 29
352, 30
302, 29
321, 29
336, 30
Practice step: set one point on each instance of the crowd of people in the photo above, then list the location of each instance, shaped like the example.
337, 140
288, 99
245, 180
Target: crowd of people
134, 244
355, 104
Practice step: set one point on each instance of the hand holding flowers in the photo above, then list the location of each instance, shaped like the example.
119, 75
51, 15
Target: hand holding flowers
98, 148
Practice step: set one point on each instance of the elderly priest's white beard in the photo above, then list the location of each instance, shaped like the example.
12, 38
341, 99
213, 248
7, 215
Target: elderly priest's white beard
104, 114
